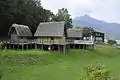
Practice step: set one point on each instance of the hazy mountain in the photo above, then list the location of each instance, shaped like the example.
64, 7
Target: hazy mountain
111, 30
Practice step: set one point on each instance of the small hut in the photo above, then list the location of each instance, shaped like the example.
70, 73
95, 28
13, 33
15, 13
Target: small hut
77, 40
20, 35
51, 36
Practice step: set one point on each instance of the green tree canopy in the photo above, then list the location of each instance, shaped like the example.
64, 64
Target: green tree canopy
63, 15
112, 42
26, 12
78, 27
87, 31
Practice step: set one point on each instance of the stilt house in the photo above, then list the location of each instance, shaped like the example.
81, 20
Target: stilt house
51, 36
77, 39
19, 35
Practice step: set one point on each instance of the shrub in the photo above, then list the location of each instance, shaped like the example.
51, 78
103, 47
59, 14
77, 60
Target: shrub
2, 44
95, 72
111, 42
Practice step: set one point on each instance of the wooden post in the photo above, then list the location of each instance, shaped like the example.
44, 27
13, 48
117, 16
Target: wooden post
30, 46
93, 46
74, 46
51, 47
79, 46
64, 49
9, 47
42, 44
35, 46
42, 47
22, 47
39, 46
58, 48
83, 46
12, 46
17, 47
27, 46
68, 46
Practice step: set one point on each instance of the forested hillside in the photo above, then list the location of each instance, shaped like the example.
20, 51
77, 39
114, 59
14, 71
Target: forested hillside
27, 12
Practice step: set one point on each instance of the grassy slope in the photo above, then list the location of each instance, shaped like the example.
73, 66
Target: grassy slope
42, 65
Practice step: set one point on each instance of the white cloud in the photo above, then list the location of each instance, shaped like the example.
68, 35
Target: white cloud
107, 10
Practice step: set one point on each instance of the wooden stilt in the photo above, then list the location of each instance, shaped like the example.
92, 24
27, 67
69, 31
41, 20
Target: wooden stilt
58, 48
17, 46
50, 47
79, 46
42, 47
39, 46
9, 47
68, 46
30, 46
13, 46
27, 46
64, 49
93, 46
73, 46
22, 47
35, 46
83, 46
86, 47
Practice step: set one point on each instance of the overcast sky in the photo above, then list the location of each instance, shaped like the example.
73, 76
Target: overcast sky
107, 10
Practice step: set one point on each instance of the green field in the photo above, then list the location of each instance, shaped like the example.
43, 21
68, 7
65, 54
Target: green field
42, 65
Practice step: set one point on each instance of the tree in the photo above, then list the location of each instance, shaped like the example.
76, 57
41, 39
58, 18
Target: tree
63, 15
112, 42
87, 31
78, 27
26, 12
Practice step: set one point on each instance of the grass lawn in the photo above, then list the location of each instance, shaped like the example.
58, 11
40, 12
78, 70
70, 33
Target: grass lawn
42, 65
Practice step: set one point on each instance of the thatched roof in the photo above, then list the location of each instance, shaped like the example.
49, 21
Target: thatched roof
21, 30
52, 29
74, 33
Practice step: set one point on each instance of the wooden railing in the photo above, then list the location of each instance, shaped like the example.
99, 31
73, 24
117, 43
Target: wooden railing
66, 42
83, 42
62, 42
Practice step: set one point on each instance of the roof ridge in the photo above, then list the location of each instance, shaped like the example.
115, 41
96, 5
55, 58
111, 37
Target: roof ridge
17, 25
52, 22
75, 29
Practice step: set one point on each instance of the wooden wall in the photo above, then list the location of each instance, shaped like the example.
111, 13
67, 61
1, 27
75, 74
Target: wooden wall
50, 40
14, 38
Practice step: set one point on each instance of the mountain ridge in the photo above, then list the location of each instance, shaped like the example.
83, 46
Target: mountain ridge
111, 30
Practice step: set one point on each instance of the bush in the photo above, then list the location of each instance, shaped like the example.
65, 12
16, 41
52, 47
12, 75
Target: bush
2, 45
95, 72
111, 42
